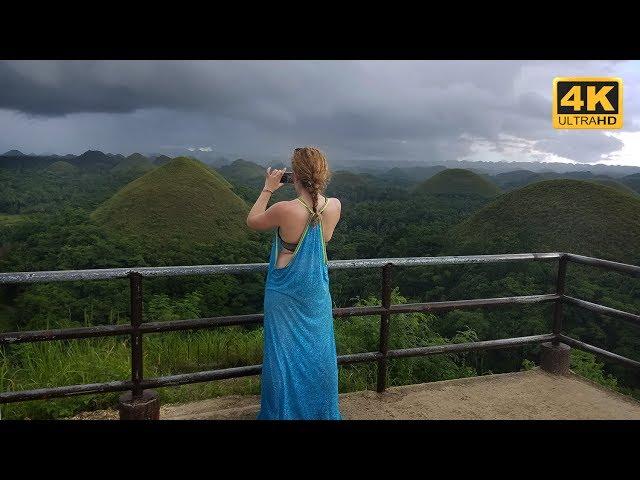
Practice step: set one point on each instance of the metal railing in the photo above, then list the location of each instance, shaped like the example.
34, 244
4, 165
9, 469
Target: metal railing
137, 328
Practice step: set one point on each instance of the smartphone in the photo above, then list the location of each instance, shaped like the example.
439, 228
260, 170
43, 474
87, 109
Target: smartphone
287, 177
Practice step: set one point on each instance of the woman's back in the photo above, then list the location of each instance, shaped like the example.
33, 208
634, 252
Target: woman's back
294, 224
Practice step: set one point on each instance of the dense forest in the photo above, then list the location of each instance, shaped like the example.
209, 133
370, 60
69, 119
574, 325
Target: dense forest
98, 210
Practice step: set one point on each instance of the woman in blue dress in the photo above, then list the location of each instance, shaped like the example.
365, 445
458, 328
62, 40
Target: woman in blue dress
299, 369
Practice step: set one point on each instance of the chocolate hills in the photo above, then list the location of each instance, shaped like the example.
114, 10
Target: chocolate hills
61, 168
458, 181
182, 200
243, 172
135, 163
555, 215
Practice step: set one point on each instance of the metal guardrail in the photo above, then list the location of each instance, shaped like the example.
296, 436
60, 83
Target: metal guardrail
136, 329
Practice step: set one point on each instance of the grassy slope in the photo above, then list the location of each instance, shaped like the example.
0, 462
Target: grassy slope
556, 215
458, 181
180, 200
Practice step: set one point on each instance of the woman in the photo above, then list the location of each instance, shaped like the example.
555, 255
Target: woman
299, 370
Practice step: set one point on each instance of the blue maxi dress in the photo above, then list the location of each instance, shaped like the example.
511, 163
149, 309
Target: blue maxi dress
299, 368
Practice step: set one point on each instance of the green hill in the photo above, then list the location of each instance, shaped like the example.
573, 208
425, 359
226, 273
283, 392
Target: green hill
133, 164
356, 187
412, 174
632, 181
95, 159
555, 215
161, 160
243, 172
516, 179
621, 187
61, 168
457, 181
182, 200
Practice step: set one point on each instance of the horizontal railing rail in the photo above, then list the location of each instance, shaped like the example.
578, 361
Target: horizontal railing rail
136, 329
149, 272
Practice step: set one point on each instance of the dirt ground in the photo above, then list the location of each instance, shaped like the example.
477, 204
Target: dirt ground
534, 394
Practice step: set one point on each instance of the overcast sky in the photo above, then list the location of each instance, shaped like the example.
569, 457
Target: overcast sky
377, 110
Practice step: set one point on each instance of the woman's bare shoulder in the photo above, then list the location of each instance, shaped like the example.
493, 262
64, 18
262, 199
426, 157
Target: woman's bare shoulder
334, 203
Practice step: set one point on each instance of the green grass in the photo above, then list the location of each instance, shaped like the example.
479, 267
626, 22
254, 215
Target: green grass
458, 181
51, 364
556, 215
182, 200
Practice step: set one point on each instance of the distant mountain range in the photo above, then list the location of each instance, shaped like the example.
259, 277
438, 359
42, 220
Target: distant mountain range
398, 169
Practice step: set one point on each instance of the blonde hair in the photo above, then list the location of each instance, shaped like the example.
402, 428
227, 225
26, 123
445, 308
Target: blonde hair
311, 167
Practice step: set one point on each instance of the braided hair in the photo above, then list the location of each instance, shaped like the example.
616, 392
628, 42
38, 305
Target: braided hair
312, 169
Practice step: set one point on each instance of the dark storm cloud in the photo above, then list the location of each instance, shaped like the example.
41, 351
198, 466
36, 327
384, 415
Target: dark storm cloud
373, 109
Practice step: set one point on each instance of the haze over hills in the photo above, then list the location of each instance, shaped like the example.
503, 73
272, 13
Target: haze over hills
556, 215
181, 201
13, 153
219, 159
457, 181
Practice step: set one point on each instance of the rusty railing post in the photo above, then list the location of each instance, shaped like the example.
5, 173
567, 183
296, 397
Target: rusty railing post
558, 306
384, 327
137, 404
136, 337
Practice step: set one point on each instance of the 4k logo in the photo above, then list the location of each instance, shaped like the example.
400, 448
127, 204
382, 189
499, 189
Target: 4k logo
585, 102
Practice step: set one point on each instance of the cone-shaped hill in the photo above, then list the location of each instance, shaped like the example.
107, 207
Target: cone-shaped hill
555, 215
458, 181
347, 185
181, 200
243, 172
133, 164
61, 168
